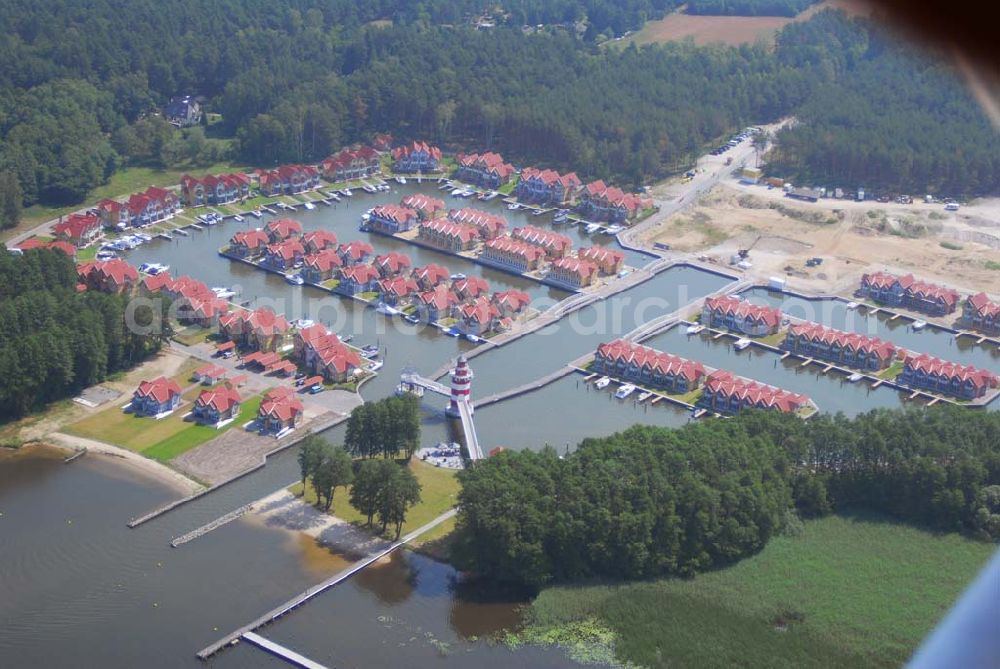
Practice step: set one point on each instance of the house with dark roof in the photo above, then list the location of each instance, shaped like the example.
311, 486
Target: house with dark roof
416, 157
156, 398
740, 316
183, 111
981, 313
625, 360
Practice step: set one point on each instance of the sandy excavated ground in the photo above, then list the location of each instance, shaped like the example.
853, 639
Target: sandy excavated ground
850, 237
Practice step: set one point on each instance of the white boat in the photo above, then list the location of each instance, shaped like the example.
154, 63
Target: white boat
624, 391
309, 205
456, 192
919, 325
613, 229
238, 218
386, 309
592, 228
851, 306
401, 180
222, 292
473, 338
458, 276
346, 192
256, 212
106, 255
295, 279
741, 343
538, 212
376, 365
695, 329
643, 396
468, 192
602, 382
368, 188
143, 236
856, 376
513, 206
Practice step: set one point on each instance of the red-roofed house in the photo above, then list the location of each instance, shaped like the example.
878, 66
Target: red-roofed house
113, 214
357, 279
490, 226
248, 243
152, 205
329, 356
487, 170
284, 255
572, 272
729, 394
843, 348
427, 207
288, 179
555, 244
478, 317
930, 298
599, 202
886, 288
448, 235
512, 303
154, 283
906, 291
204, 311
624, 360
390, 219
322, 266
283, 228
416, 157
355, 252
392, 264
470, 288
78, 229
279, 410
947, 378
35, 243
981, 313
156, 398
397, 290
382, 141
437, 303
431, 275
214, 188
739, 315
317, 240
546, 186
609, 261
261, 329
352, 163
512, 254
217, 405
305, 337
109, 276
209, 374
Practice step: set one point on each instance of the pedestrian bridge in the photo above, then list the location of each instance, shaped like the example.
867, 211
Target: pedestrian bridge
409, 377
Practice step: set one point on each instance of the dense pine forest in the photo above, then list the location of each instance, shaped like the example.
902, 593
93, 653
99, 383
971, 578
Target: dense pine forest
295, 80
55, 341
655, 501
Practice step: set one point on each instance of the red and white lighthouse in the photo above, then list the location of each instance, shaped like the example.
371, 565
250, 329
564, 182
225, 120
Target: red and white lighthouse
461, 386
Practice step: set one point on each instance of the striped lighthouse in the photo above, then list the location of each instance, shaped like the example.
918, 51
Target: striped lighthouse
461, 386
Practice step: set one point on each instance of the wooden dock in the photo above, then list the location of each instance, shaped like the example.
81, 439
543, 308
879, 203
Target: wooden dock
208, 527
805, 362
285, 654
79, 454
304, 597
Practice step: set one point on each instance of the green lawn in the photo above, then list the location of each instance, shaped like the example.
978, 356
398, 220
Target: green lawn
85, 254
439, 492
845, 592
508, 187
892, 371
196, 435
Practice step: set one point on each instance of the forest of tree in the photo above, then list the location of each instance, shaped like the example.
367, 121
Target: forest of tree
653, 501
748, 7
295, 80
55, 341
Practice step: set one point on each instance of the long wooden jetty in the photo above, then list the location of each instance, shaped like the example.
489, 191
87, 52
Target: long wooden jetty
302, 598
208, 527
524, 388
284, 653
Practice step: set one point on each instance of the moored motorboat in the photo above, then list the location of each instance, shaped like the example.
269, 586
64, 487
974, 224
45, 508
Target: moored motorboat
602, 382
624, 391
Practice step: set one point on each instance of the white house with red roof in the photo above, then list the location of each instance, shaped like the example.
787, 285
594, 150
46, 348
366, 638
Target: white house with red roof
643, 365
158, 397
392, 264
448, 235
490, 226
321, 266
512, 254
288, 179
981, 313
554, 244
416, 157
217, 406
209, 374
249, 243
427, 207
478, 317
78, 229
390, 219
741, 316
351, 163
512, 303
726, 393
600, 202
546, 186
572, 272
608, 261
280, 410
487, 170
437, 303
282, 229
214, 188
843, 348
151, 206
965, 382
